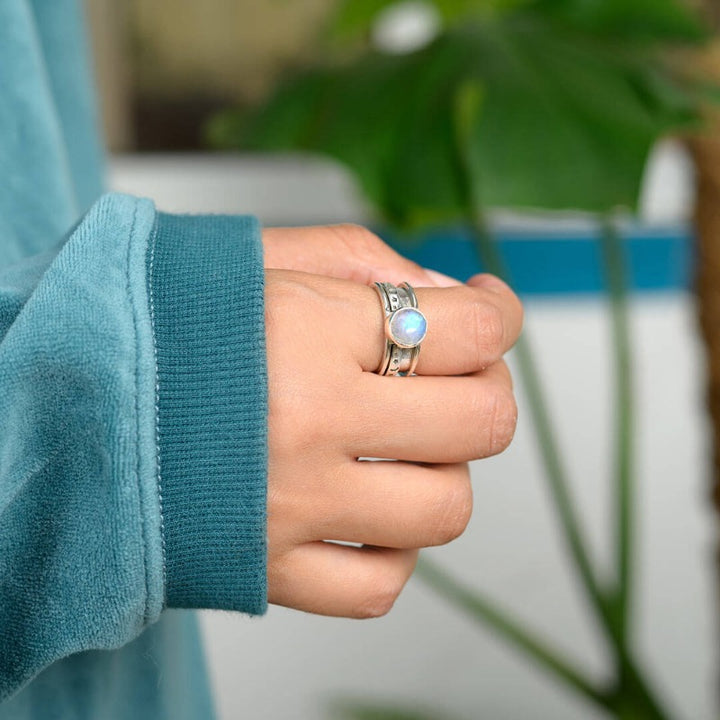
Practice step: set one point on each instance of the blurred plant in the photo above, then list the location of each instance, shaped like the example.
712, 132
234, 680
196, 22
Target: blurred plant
550, 104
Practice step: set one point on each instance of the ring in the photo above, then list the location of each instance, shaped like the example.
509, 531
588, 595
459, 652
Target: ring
405, 329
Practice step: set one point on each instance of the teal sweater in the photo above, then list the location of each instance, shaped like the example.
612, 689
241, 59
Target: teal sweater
133, 409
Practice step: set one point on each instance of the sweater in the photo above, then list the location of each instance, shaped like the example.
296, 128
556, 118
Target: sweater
133, 408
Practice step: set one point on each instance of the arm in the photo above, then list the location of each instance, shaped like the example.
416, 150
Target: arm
89, 554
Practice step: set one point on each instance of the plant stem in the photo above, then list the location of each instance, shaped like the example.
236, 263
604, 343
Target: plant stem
632, 697
485, 611
633, 690
623, 473
547, 444
468, 104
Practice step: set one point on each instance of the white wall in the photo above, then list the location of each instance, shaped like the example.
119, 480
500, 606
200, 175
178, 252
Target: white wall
288, 664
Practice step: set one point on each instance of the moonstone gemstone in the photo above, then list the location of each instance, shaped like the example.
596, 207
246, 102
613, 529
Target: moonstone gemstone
407, 327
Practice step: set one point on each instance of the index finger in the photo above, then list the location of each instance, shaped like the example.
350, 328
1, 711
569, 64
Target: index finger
468, 327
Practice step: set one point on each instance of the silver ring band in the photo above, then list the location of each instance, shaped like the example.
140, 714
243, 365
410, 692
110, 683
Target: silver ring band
387, 350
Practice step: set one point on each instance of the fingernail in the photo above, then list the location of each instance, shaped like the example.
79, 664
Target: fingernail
442, 280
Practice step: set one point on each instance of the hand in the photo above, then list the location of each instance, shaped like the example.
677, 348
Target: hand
328, 408
344, 251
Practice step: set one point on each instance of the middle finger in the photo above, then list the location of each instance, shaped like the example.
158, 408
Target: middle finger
434, 419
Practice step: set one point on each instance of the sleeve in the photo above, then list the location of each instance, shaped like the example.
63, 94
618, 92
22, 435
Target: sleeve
133, 416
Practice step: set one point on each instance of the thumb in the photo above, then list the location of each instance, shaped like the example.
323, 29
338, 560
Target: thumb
349, 252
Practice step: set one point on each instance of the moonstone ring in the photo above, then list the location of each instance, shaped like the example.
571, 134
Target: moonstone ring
405, 329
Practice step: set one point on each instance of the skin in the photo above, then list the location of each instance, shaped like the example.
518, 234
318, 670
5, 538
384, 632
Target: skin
328, 408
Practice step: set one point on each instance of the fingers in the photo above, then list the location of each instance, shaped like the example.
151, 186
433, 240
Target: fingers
342, 581
469, 328
344, 251
327, 407
393, 504
434, 419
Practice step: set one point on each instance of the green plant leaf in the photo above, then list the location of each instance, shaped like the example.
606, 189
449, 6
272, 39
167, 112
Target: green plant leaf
567, 120
356, 18
363, 710
640, 20
645, 21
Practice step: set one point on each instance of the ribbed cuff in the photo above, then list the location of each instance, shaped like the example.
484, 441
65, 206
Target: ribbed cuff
206, 289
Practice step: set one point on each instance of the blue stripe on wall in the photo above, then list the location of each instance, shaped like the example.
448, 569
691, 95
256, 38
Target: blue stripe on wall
563, 263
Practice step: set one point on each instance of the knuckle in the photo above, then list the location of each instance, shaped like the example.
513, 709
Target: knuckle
285, 299
364, 249
369, 253
502, 420
356, 238
379, 601
492, 330
456, 513
489, 333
